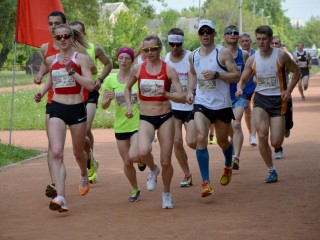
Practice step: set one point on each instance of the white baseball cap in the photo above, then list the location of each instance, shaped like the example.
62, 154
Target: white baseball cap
206, 23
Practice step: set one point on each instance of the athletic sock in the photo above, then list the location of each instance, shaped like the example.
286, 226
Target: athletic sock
228, 156
203, 162
272, 168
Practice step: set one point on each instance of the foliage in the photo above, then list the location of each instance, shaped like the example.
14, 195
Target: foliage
309, 34
11, 154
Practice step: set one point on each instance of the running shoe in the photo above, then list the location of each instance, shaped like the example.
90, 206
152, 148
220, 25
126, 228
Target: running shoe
142, 166
135, 194
187, 180
51, 191
212, 140
225, 178
167, 200
92, 171
58, 204
253, 140
235, 163
303, 98
278, 155
84, 186
152, 179
206, 189
273, 177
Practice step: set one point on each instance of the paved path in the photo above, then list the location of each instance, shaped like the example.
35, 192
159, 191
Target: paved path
246, 209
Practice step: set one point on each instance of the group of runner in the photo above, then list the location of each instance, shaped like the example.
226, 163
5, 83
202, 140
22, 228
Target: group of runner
208, 88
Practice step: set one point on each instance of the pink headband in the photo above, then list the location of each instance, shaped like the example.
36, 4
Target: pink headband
126, 50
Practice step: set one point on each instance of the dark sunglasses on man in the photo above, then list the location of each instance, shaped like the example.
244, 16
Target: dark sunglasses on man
230, 32
175, 44
208, 31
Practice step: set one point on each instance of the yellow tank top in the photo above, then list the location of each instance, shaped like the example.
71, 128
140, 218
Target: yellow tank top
92, 55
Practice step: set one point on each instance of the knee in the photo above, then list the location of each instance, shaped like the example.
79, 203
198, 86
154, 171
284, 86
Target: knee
166, 164
178, 143
192, 144
127, 163
223, 143
263, 139
80, 154
56, 155
236, 125
144, 153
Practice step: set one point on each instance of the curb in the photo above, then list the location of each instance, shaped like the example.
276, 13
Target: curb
22, 162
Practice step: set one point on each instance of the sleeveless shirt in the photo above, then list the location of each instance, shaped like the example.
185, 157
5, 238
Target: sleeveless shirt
270, 74
182, 68
213, 94
148, 83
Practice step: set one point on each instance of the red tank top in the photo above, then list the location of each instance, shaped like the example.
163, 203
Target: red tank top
50, 52
148, 83
62, 83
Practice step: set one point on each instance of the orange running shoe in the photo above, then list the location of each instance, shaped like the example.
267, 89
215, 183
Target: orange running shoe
206, 189
225, 178
84, 186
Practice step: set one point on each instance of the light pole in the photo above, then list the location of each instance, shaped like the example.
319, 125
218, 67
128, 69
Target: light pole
199, 13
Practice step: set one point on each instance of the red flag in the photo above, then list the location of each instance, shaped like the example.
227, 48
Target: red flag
32, 21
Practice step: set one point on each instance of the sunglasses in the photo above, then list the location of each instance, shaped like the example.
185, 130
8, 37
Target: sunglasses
151, 49
64, 36
175, 44
236, 33
207, 31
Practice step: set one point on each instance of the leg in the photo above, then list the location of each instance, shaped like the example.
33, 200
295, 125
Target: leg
57, 135
301, 89
166, 137
305, 80
237, 139
250, 124
91, 112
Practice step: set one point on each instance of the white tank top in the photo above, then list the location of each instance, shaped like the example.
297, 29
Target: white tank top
213, 94
269, 73
182, 69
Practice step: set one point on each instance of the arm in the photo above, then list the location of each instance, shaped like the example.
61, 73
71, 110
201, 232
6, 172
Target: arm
127, 91
107, 99
178, 96
107, 65
191, 81
292, 67
43, 67
226, 58
309, 60
245, 76
86, 78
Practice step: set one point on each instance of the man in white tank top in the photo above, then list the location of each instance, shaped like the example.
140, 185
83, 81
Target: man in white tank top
212, 68
178, 58
271, 94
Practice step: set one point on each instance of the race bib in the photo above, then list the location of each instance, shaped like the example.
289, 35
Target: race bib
206, 85
267, 80
121, 100
61, 79
303, 64
148, 87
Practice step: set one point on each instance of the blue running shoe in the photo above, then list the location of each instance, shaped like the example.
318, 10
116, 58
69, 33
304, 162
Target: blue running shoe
273, 177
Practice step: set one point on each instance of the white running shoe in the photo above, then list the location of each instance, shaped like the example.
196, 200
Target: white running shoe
152, 179
278, 155
167, 200
58, 204
253, 140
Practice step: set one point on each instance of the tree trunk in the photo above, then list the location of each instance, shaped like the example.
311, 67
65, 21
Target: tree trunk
3, 55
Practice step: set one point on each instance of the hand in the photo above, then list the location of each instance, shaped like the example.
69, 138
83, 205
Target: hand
37, 97
160, 89
239, 93
110, 95
286, 96
190, 98
129, 112
208, 75
38, 78
97, 85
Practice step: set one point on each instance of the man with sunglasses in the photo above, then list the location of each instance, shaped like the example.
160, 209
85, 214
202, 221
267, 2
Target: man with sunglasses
271, 94
212, 68
231, 37
178, 58
95, 52
245, 43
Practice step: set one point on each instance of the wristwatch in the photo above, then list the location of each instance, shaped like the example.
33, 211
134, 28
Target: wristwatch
101, 80
216, 75
71, 72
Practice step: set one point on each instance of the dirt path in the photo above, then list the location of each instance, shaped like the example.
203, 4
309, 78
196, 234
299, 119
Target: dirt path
246, 209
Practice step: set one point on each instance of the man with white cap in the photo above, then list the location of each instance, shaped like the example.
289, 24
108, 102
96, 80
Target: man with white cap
212, 68
178, 58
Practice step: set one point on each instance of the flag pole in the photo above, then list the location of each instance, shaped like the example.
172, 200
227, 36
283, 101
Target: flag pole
12, 93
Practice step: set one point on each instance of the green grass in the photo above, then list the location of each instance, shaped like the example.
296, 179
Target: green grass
21, 78
29, 115
10, 154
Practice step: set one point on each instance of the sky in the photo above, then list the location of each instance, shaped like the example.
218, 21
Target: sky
296, 9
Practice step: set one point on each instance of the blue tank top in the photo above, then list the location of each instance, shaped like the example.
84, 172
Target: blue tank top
240, 65
250, 85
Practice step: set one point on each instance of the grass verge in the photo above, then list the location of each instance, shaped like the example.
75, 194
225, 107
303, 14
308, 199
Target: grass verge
11, 154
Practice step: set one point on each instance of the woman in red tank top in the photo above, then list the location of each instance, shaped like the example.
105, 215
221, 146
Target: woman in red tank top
69, 75
154, 80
